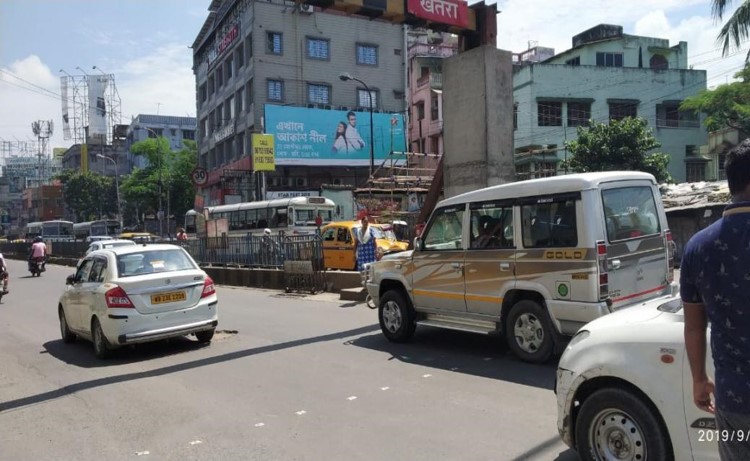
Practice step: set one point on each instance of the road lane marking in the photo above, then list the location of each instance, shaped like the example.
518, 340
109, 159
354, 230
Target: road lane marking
259, 424
427, 375
301, 412
195, 442
353, 397
384, 388
142, 453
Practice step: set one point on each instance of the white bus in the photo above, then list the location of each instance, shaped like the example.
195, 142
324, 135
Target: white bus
102, 227
294, 215
55, 230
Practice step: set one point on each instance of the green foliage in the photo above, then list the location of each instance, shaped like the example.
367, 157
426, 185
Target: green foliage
726, 105
617, 145
735, 31
89, 195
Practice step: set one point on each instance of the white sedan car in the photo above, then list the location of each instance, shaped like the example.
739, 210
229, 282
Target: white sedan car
134, 294
624, 389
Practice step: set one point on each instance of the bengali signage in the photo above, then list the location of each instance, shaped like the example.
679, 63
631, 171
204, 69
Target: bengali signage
263, 152
305, 136
451, 12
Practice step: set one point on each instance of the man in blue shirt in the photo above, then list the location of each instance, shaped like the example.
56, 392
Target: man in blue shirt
715, 287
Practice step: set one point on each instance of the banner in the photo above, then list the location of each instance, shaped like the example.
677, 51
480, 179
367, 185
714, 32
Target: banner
97, 106
65, 114
263, 152
305, 136
452, 12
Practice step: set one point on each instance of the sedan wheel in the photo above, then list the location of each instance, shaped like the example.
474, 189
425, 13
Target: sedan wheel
101, 346
614, 424
67, 335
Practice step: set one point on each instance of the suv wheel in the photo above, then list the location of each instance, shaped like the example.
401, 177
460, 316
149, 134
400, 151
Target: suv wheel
529, 333
397, 317
615, 424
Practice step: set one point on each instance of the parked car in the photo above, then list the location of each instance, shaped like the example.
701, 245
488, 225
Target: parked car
137, 293
624, 389
531, 260
338, 243
96, 238
139, 237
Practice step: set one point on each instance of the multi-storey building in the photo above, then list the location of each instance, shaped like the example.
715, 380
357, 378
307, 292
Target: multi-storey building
608, 75
274, 67
144, 126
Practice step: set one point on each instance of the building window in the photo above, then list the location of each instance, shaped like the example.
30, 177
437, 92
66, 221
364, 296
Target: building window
691, 150
609, 59
249, 48
228, 68
249, 95
515, 116
318, 94
239, 56
155, 132
204, 128
434, 145
695, 172
275, 90
274, 43
211, 87
579, 113
172, 132
219, 78
229, 109
188, 134
420, 110
240, 101
317, 48
240, 140
658, 61
549, 113
367, 55
620, 110
369, 101
668, 115
574, 61
203, 93
722, 170
434, 113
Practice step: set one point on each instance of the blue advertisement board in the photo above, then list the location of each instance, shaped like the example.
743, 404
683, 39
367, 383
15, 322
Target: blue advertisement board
305, 136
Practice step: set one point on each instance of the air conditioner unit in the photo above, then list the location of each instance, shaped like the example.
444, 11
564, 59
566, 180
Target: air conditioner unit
301, 182
307, 9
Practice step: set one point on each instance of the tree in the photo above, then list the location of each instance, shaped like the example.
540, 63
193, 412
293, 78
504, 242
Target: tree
726, 106
88, 195
735, 30
617, 145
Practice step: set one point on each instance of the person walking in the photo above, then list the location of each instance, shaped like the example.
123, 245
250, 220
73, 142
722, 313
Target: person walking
364, 245
714, 286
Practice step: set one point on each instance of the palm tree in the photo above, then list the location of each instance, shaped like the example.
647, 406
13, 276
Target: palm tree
737, 28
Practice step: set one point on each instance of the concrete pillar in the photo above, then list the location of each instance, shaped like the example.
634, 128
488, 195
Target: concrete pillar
478, 120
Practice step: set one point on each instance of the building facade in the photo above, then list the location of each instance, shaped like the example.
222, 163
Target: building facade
608, 75
144, 126
252, 55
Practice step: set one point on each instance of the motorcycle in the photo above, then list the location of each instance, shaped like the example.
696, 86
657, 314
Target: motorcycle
36, 266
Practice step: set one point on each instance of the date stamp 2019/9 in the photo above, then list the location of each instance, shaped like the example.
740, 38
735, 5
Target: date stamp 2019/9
725, 435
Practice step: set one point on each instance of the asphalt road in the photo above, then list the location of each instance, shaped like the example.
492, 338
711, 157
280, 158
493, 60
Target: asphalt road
289, 378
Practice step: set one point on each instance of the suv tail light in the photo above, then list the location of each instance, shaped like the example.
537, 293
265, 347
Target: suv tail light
208, 287
670, 255
601, 255
117, 298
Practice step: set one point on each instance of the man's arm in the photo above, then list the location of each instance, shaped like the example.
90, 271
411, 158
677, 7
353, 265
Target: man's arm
696, 323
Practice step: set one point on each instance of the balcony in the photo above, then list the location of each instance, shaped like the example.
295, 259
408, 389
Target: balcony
676, 123
433, 51
434, 80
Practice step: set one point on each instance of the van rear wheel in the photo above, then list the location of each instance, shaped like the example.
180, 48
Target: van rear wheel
528, 331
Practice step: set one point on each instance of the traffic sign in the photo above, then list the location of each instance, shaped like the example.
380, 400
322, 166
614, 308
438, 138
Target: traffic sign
199, 176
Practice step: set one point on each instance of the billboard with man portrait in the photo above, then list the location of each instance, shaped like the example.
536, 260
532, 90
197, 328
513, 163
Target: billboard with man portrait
305, 136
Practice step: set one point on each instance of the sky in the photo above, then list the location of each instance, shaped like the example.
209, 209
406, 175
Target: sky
146, 45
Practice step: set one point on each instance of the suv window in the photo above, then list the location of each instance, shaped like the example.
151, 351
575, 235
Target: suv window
550, 225
445, 231
491, 225
630, 212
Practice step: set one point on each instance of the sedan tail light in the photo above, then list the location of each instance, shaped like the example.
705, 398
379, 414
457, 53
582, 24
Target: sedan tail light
208, 287
117, 298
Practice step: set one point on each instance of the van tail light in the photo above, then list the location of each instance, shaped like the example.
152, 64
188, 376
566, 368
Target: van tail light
670, 255
208, 287
117, 298
601, 255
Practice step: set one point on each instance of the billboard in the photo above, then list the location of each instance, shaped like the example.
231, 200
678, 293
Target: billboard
65, 114
305, 136
97, 106
452, 12
263, 152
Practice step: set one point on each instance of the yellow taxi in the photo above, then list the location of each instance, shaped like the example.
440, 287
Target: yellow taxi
139, 237
338, 243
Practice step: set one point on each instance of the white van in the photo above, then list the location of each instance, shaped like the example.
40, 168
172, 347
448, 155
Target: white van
533, 260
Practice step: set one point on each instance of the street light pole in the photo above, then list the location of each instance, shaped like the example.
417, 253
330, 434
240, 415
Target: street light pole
345, 77
117, 187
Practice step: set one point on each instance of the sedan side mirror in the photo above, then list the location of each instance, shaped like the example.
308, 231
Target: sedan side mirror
71, 279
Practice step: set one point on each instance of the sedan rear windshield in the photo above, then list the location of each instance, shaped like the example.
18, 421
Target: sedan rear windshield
149, 262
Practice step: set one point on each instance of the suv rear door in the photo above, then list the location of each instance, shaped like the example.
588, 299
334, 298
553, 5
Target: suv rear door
636, 245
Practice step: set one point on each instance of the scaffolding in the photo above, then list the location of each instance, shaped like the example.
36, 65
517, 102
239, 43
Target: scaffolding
75, 106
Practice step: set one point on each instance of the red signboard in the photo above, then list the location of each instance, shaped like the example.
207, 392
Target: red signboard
452, 12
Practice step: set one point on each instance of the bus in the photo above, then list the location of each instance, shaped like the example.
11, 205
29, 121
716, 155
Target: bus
294, 215
102, 227
55, 230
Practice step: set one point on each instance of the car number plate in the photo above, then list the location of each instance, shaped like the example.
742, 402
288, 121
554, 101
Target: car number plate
170, 297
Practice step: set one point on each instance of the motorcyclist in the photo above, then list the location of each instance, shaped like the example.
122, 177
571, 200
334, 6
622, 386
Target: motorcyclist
38, 252
4, 272
269, 248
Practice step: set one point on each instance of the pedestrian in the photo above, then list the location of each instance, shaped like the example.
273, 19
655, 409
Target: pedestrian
364, 244
714, 286
181, 235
